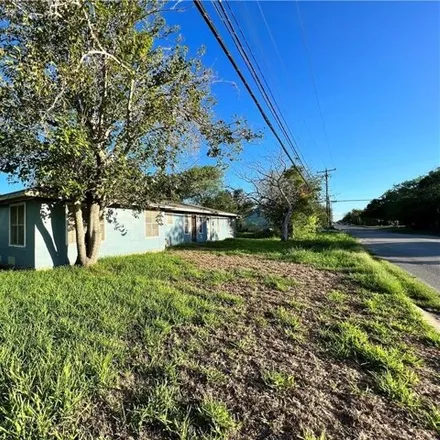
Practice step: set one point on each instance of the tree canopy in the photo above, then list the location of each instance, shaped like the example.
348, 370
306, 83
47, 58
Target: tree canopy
99, 98
414, 203
204, 185
283, 194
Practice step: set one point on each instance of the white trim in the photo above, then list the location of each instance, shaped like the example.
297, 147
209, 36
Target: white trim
24, 225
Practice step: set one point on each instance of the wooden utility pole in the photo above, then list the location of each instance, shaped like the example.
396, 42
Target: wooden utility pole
328, 207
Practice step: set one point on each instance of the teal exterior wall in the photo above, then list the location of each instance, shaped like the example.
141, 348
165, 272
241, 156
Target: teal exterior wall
125, 233
175, 232
213, 228
22, 257
49, 224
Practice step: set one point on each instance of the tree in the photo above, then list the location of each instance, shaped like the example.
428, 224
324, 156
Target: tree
204, 185
96, 108
354, 217
414, 203
197, 183
235, 201
281, 191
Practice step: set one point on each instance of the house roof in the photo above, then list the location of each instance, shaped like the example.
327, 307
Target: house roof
186, 207
18, 196
167, 206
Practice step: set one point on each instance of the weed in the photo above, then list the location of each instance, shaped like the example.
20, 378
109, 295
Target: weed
217, 416
432, 416
278, 380
337, 296
229, 298
276, 282
214, 376
398, 387
286, 319
308, 434
245, 343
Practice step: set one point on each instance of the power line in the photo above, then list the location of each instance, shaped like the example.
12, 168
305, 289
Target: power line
309, 62
217, 36
275, 46
270, 100
272, 107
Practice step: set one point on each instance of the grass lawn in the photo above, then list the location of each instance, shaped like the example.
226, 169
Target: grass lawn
241, 339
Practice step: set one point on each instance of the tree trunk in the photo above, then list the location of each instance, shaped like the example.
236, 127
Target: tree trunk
88, 239
94, 233
285, 227
80, 235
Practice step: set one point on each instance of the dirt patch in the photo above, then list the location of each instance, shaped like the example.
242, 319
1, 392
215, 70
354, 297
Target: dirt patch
328, 395
267, 360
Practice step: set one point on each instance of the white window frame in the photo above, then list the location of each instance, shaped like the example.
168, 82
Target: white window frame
24, 225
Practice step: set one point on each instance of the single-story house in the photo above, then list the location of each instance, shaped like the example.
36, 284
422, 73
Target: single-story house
38, 233
255, 220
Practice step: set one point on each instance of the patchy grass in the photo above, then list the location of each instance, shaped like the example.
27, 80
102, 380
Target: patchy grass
309, 435
282, 284
335, 251
278, 380
286, 319
188, 344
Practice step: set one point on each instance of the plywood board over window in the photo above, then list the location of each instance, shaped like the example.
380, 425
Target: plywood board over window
170, 219
151, 224
17, 225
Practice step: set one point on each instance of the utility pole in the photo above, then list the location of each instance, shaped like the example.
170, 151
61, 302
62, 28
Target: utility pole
328, 207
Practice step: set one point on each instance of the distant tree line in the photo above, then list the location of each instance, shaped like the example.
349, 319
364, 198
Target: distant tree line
414, 203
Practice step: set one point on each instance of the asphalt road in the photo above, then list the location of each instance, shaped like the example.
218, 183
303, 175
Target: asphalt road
417, 254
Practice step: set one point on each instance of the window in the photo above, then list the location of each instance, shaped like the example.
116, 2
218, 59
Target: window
17, 228
169, 219
71, 231
151, 224
186, 225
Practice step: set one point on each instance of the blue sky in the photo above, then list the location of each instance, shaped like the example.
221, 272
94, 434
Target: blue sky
377, 72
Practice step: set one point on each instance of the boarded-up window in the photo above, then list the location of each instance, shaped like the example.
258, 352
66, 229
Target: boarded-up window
186, 225
151, 224
71, 232
17, 225
169, 219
